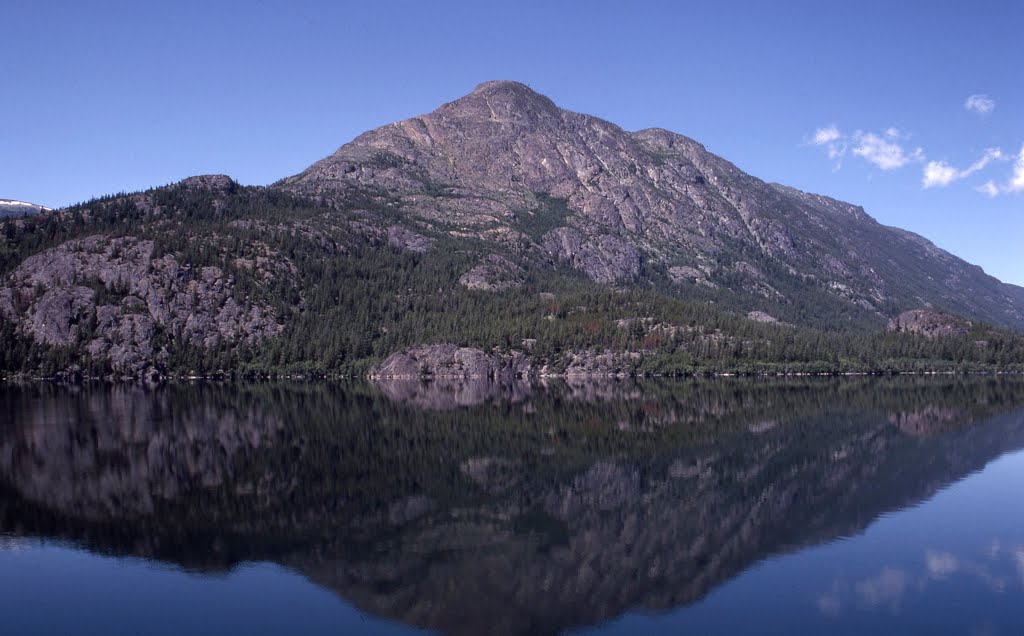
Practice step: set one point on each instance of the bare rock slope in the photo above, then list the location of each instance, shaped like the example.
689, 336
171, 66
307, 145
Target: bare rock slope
113, 296
650, 204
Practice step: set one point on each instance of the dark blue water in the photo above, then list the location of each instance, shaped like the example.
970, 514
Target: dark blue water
838, 507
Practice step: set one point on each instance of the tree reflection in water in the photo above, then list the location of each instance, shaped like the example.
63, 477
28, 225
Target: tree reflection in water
490, 508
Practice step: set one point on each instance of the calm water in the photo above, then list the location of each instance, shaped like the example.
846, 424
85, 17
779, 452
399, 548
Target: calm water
725, 507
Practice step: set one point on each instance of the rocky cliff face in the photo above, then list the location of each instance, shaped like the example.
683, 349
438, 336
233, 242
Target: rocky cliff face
494, 273
113, 296
644, 205
934, 324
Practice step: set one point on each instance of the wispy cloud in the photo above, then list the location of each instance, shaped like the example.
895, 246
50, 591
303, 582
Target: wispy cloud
1016, 183
884, 151
834, 142
981, 104
991, 154
989, 189
826, 135
1017, 180
939, 174
890, 150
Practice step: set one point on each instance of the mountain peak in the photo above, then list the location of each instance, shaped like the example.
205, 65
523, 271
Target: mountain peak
502, 99
504, 86
504, 161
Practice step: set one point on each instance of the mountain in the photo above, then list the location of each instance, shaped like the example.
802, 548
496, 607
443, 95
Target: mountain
497, 235
11, 207
649, 205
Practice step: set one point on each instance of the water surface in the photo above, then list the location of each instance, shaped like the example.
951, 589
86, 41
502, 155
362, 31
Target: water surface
714, 507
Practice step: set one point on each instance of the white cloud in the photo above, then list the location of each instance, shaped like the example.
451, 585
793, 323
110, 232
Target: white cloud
893, 132
834, 142
826, 135
1017, 180
888, 150
884, 150
884, 153
989, 189
981, 104
939, 174
992, 154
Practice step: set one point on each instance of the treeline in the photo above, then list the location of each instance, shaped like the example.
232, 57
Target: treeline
355, 300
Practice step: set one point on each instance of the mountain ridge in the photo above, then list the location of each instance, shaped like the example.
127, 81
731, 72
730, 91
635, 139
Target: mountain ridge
501, 227
504, 142
14, 207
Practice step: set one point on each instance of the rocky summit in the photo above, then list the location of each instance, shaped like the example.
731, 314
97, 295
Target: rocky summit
649, 205
497, 228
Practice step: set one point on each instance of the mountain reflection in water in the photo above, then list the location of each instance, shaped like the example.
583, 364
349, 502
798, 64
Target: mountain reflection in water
484, 508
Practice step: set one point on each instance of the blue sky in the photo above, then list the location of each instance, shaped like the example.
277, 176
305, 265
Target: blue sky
102, 97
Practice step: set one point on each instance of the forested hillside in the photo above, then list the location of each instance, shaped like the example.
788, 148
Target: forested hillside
207, 277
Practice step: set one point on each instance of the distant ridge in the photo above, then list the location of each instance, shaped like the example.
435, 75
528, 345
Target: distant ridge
13, 207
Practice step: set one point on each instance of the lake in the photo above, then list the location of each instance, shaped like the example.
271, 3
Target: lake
729, 506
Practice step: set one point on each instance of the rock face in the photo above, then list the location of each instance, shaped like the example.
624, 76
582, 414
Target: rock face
930, 323
213, 182
451, 361
604, 258
495, 273
600, 363
405, 239
760, 316
114, 295
652, 197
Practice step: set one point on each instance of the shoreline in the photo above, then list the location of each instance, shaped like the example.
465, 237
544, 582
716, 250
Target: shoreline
374, 379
